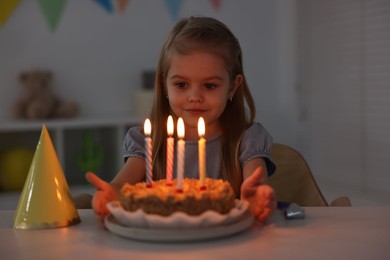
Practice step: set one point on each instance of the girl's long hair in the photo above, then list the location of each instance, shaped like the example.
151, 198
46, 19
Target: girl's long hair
206, 34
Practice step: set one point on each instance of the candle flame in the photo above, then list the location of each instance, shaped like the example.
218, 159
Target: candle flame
180, 128
170, 125
201, 127
147, 127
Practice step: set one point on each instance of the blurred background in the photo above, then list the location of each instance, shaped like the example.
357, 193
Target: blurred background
319, 71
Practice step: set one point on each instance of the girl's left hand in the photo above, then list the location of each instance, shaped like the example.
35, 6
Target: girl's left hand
104, 194
261, 197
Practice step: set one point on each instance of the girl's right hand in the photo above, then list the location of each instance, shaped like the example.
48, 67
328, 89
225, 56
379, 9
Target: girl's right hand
104, 193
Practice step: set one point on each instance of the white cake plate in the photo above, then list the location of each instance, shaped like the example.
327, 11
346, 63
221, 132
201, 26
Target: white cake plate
179, 234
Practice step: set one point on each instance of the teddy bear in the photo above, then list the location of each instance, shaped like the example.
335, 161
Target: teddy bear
38, 101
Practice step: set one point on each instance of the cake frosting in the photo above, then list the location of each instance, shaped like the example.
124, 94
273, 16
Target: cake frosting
161, 199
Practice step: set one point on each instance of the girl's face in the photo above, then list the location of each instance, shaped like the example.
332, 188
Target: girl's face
199, 85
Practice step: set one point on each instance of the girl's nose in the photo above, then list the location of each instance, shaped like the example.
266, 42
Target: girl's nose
195, 95
195, 98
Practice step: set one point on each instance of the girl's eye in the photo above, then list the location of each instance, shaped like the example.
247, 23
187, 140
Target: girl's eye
210, 86
181, 84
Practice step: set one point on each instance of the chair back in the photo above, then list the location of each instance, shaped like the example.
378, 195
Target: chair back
293, 180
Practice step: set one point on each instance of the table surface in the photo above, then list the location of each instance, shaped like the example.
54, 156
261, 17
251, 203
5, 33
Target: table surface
325, 233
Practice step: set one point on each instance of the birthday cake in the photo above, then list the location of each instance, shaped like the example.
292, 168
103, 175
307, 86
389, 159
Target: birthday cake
164, 200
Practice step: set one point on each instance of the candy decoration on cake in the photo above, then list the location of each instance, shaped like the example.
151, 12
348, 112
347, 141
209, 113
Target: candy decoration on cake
45, 201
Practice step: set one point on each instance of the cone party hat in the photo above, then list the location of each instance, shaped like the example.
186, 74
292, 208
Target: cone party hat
45, 201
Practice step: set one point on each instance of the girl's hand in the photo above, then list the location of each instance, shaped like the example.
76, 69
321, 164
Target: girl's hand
104, 194
261, 197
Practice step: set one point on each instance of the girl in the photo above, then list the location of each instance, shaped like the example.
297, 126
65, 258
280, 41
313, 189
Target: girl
200, 73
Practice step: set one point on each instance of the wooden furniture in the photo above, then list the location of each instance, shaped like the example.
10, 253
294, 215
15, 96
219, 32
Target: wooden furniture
293, 180
325, 233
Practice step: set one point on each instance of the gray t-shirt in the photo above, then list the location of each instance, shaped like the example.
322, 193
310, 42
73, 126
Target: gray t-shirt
255, 143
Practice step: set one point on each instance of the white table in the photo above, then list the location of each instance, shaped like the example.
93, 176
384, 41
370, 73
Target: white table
325, 233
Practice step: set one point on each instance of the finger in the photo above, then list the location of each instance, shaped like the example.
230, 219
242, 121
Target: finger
268, 192
250, 183
100, 209
254, 179
96, 181
262, 213
267, 212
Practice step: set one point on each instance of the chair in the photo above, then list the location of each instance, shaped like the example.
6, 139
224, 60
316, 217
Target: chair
293, 180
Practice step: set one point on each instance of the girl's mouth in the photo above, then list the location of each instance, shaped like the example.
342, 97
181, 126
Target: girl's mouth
196, 111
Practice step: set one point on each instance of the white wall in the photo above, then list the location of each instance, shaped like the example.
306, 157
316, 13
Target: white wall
344, 70
98, 57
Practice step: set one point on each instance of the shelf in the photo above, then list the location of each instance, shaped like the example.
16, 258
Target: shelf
7, 125
67, 136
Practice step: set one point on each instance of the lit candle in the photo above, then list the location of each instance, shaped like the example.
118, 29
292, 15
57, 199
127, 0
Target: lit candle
180, 154
170, 142
202, 152
148, 149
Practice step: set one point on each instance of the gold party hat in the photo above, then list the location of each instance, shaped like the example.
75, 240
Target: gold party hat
45, 201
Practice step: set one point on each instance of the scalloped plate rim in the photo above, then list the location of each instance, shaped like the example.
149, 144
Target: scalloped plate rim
177, 220
179, 234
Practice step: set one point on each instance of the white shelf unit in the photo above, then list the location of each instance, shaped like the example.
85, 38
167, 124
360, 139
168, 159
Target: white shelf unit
67, 138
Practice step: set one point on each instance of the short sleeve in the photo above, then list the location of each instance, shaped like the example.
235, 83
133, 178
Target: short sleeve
257, 142
134, 143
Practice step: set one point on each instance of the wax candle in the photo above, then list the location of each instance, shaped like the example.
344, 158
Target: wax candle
180, 154
170, 142
202, 152
148, 151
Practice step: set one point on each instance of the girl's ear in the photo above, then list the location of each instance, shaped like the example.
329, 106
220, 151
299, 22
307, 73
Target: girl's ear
236, 84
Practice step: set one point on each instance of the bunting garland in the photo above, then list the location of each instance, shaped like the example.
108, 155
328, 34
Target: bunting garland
174, 7
106, 5
216, 4
121, 5
52, 10
7, 7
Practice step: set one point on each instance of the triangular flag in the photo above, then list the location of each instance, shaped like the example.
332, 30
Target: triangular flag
106, 4
216, 4
6, 9
121, 5
45, 201
52, 9
174, 7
